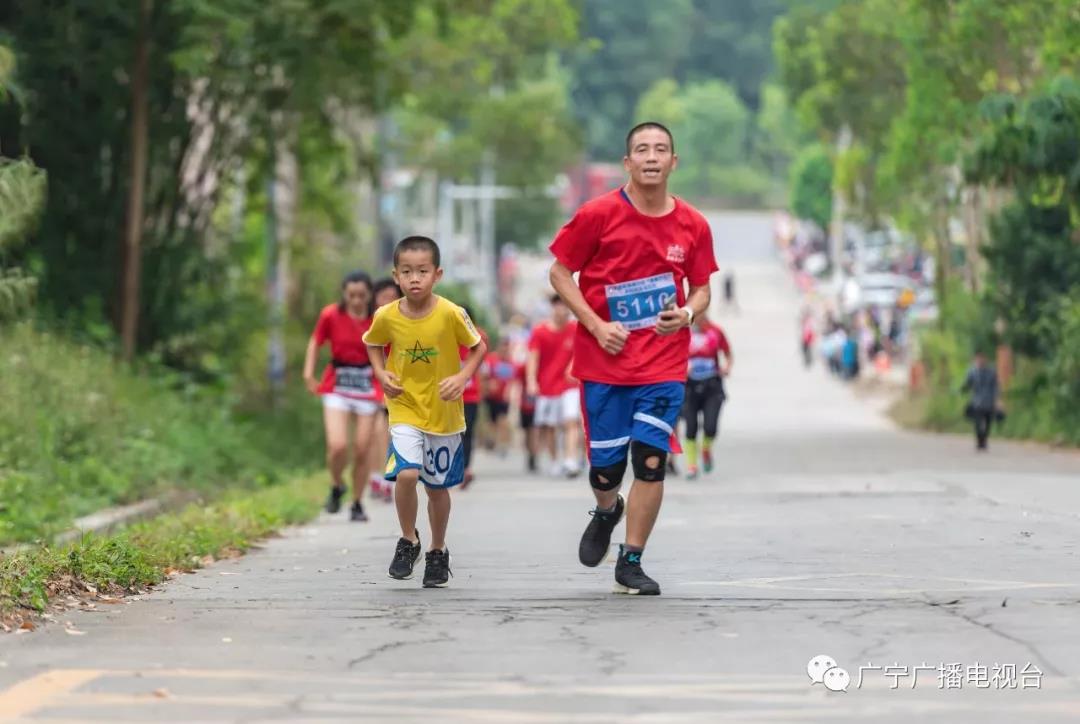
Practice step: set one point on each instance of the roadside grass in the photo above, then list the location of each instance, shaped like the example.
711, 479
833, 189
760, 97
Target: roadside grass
104, 567
79, 432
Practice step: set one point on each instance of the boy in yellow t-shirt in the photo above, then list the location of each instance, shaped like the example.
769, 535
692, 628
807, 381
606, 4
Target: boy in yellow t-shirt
423, 380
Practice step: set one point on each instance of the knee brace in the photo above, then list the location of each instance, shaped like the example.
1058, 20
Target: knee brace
608, 477
639, 454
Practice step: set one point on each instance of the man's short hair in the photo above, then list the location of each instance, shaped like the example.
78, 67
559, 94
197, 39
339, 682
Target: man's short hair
418, 243
649, 124
556, 299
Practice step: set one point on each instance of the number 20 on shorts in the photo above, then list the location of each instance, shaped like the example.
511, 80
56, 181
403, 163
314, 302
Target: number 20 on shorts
437, 461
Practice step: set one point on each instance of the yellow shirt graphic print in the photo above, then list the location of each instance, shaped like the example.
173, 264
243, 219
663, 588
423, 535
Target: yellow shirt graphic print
423, 352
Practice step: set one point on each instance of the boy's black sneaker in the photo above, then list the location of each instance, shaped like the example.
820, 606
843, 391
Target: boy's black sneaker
629, 578
596, 539
532, 463
406, 555
437, 569
357, 512
333, 503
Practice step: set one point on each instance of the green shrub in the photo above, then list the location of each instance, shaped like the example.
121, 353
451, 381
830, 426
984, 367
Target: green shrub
79, 432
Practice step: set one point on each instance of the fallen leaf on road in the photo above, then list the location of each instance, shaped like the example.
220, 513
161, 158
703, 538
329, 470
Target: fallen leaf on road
162, 693
27, 626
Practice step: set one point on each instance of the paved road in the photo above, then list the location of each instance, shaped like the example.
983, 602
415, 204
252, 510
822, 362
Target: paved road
825, 531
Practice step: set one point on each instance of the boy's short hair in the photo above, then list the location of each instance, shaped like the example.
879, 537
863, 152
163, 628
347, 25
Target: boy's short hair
418, 243
556, 299
649, 124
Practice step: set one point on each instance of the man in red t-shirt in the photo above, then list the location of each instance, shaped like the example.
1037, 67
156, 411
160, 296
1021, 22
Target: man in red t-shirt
470, 397
527, 410
634, 249
500, 374
558, 405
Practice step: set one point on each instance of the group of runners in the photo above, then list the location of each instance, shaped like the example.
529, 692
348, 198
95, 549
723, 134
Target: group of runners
626, 350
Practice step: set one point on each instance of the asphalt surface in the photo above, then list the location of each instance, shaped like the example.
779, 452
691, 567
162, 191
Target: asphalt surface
906, 558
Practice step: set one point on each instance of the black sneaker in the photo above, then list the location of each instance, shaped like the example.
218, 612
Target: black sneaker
532, 463
596, 539
333, 503
437, 569
629, 578
406, 555
357, 512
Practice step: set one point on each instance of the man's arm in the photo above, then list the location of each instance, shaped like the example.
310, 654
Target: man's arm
532, 368
612, 336
672, 320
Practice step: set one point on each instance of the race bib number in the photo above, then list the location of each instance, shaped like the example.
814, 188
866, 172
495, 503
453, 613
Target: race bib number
703, 368
636, 304
503, 371
353, 380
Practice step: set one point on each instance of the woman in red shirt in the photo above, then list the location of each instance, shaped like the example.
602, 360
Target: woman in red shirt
346, 388
386, 292
710, 362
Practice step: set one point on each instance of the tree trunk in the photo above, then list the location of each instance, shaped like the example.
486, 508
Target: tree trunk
129, 304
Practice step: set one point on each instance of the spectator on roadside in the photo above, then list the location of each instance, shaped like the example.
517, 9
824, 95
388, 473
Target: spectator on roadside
849, 355
982, 407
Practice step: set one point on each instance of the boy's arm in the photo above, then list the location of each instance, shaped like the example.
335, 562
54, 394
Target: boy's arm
452, 387
389, 381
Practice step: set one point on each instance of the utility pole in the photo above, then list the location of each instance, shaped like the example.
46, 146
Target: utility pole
839, 209
140, 131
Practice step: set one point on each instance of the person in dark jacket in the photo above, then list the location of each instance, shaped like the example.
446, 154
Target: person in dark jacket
982, 383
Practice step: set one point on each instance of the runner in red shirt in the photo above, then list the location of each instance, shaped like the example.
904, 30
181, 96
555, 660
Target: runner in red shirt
635, 248
558, 401
710, 362
346, 388
500, 375
470, 396
527, 411
386, 291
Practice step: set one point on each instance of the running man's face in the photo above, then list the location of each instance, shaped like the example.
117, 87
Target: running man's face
651, 158
416, 274
560, 313
357, 296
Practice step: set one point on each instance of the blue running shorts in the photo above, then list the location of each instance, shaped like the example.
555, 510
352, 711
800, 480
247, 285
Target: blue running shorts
616, 414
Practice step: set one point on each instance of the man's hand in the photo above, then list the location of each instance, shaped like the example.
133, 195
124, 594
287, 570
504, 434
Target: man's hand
390, 383
312, 384
532, 387
452, 387
671, 321
611, 336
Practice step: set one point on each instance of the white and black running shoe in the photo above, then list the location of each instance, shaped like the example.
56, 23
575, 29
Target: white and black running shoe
596, 539
630, 579
406, 555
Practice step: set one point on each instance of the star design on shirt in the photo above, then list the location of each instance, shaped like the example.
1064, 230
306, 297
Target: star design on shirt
419, 353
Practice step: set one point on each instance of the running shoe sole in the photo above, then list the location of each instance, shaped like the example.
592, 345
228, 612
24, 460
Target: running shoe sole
620, 588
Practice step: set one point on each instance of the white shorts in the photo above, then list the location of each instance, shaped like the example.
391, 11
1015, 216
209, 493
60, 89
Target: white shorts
334, 401
558, 409
439, 458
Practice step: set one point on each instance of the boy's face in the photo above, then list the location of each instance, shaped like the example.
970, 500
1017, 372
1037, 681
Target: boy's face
416, 274
385, 296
